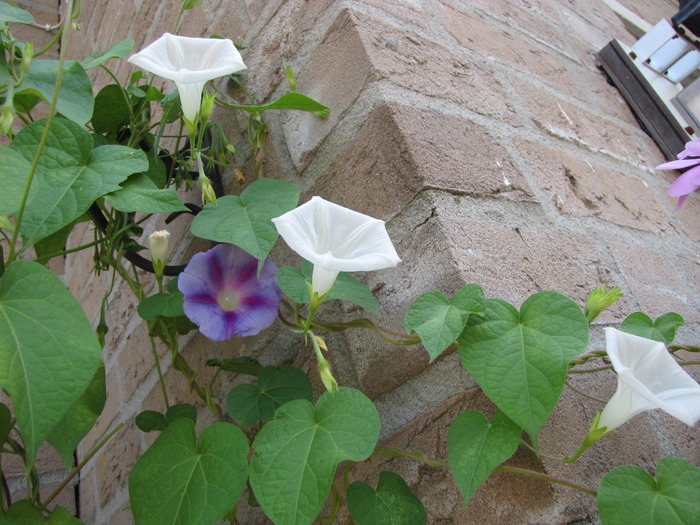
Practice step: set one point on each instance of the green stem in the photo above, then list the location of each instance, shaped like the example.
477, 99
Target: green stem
415, 455
546, 477
44, 135
158, 369
590, 370
584, 394
80, 465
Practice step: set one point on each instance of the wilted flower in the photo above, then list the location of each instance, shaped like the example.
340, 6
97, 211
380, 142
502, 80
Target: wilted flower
190, 63
689, 181
225, 297
336, 239
648, 378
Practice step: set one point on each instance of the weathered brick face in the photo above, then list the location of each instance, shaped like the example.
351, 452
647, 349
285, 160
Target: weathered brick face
486, 137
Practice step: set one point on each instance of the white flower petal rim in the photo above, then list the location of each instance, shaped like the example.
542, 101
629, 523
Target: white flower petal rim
336, 239
648, 378
188, 59
189, 62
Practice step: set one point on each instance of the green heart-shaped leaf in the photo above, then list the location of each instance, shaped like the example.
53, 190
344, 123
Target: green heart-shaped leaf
630, 495
393, 503
249, 403
44, 339
663, 330
75, 99
246, 221
297, 453
185, 480
476, 446
439, 321
520, 359
70, 174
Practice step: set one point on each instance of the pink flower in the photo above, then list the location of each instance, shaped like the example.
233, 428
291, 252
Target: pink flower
225, 297
689, 181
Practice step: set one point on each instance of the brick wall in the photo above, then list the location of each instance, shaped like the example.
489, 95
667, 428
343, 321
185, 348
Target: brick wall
487, 138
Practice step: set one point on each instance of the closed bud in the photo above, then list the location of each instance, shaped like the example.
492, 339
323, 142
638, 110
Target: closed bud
159, 250
208, 195
207, 107
27, 56
599, 300
7, 120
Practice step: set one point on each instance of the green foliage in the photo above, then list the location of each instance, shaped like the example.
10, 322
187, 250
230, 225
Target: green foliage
439, 321
119, 50
139, 193
165, 304
293, 101
44, 338
10, 13
111, 109
246, 221
150, 420
520, 358
75, 99
23, 512
249, 403
630, 495
16, 169
80, 418
239, 365
476, 446
295, 284
68, 179
297, 453
188, 480
392, 503
663, 329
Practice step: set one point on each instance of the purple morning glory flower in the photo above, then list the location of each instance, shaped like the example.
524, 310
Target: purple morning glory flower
689, 181
225, 297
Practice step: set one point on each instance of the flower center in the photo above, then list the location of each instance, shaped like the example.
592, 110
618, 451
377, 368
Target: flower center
228, 300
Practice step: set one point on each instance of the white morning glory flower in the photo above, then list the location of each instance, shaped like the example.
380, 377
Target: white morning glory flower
190, 63
648, 378
336, 239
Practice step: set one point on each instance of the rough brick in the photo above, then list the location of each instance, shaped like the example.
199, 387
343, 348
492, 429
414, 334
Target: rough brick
655, 282
401, 151
114, 463
578, 187
559, 118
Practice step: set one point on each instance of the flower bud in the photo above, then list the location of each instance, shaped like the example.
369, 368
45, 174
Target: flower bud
326, 375
207, 107
191, 127
599, 300
7, 119
208, 195
27, 56
159, 250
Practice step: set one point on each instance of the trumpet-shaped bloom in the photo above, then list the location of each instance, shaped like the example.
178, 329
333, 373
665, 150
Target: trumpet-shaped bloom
225, 297
648, 378
336, 239
190, 63
689, 181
